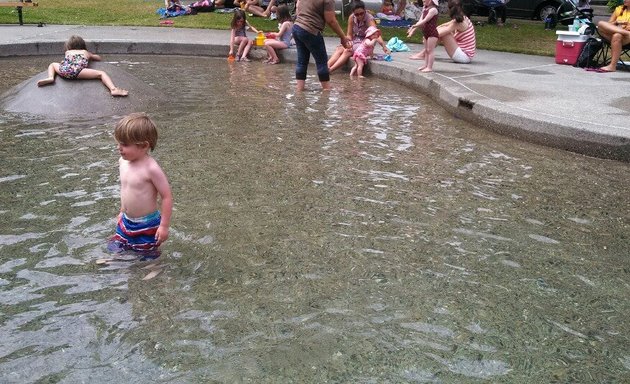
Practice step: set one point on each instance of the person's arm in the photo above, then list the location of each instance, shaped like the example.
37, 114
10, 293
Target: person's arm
166, 3
400, 8
350, 25
382, 44
251, 27
166, 210
331, 20
93, 56
432, 12
613, 17
447, 28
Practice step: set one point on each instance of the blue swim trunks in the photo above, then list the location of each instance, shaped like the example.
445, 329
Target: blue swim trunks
137, 234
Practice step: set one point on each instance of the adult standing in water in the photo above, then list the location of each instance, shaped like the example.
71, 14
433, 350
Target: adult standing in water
311, 19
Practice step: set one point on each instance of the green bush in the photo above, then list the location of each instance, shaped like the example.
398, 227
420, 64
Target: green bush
612, 4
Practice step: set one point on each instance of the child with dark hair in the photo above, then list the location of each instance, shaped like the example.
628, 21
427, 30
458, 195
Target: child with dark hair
238, 35
75, 66
283, 37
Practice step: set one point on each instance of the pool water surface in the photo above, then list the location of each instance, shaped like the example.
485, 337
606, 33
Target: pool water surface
363, 235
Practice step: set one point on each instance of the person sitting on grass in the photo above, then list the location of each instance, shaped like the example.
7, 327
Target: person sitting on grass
256, 8
75, 66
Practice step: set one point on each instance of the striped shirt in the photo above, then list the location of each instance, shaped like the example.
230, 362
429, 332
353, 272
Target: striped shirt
466, 40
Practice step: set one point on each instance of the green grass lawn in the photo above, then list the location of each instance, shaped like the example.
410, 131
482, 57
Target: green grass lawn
519, 36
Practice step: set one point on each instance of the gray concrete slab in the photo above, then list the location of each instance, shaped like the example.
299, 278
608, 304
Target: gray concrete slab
529, 97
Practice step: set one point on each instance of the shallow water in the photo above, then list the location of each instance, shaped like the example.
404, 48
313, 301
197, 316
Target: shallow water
361, 236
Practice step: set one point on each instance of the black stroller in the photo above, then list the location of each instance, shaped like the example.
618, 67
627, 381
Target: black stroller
569, 10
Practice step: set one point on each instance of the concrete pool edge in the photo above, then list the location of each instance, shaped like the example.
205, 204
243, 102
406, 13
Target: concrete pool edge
564, 132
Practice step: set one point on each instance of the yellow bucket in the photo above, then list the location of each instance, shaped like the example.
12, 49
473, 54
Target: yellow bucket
260, 39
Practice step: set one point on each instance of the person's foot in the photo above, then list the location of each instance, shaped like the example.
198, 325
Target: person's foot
606, 69
422, 68
118, 92
274, 62
244, 58
45, 81
426, 70
353, 71
417, 56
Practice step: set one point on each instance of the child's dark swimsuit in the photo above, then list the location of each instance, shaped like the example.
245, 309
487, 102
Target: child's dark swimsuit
429, 29
72, 65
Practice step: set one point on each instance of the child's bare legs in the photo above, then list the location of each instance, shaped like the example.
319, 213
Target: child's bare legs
353, 71
53, 69
272, 58
89, 73
418, 56
255, 9
360, 64
248, 45
272, 45
241, 42
429, 56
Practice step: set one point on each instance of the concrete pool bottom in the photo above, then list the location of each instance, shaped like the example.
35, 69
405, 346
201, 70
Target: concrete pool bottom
311, 245
603, 133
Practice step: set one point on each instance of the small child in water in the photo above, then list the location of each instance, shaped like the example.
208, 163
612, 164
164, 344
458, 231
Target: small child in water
75, 66
141, 226
364, 51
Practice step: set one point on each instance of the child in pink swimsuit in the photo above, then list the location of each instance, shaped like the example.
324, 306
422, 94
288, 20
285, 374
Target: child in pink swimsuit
364, 51
428, 23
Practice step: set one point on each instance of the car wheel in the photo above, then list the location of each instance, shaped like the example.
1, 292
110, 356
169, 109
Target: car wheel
546, 10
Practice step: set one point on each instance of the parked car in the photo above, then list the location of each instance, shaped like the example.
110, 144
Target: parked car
524, 9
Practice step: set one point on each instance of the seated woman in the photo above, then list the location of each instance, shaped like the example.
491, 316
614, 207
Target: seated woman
358, 23
255, 8
226, 4
457, 35
617, 32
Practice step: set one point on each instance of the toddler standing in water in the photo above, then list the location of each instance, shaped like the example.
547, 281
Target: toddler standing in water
75, 66
238, 35
428, 23
364, 51
141, 226
283, 37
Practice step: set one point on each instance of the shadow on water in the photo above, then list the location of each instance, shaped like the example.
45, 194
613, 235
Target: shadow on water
361, 235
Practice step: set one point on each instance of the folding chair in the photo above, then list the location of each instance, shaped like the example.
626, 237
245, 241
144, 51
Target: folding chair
603, 57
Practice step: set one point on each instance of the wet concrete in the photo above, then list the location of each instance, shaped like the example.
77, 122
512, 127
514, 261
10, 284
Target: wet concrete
70, 98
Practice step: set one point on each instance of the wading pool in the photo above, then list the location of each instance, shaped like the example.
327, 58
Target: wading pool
359, 236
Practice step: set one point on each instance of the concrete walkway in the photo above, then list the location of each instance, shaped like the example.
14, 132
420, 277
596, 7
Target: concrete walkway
528, 97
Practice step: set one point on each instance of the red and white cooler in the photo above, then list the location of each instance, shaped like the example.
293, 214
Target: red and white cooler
568, 46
